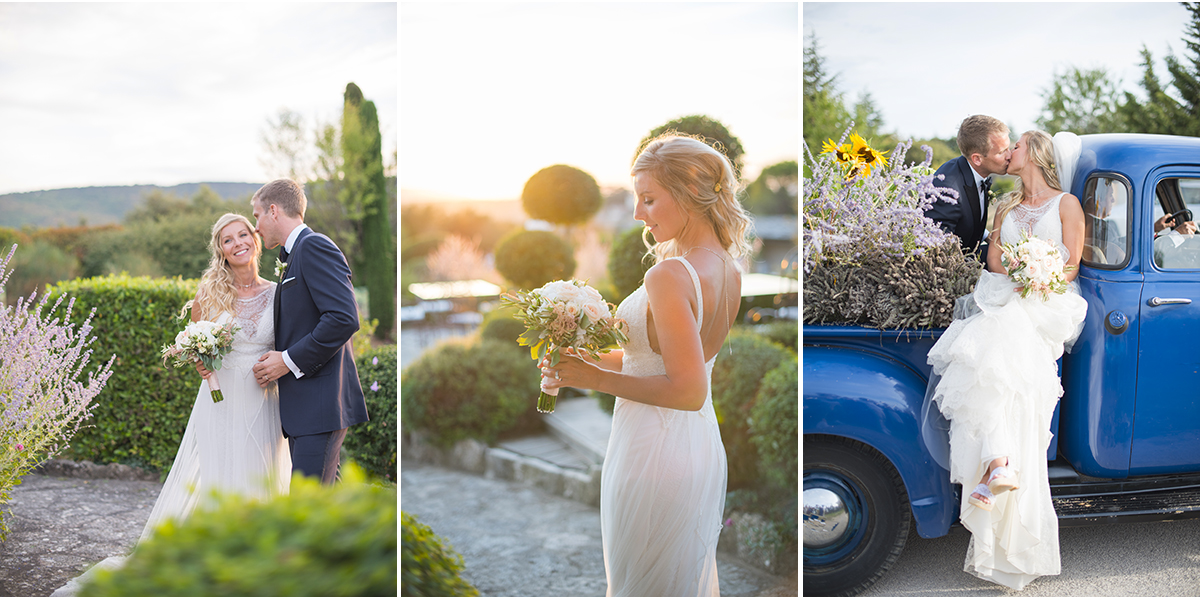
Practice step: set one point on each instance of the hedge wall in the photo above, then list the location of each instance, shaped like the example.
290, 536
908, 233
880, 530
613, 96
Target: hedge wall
373, 444
140, 417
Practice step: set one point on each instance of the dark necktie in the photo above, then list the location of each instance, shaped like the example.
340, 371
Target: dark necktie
984, 188
283, 254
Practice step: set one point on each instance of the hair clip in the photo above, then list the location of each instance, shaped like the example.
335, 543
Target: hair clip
717, 188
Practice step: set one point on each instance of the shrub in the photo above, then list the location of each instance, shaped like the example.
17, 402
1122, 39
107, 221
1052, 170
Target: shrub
529, 259
714, 132
429, 566
735, 383
502, 325
608, 402
361, 340
785, 333
373, 444
561, 194
140, 416
628, 262
458, 391
773, 425
37, 265
316, 541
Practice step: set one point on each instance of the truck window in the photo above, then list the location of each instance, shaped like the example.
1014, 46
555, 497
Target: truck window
1106, 222
1177, 248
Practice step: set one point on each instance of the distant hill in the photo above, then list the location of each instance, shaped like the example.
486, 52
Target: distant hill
98, 205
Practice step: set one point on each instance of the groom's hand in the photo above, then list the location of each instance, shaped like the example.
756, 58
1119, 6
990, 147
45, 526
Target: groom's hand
270, 366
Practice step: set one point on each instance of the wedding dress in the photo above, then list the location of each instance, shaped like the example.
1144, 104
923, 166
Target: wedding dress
999, 386
662, 492
233, 446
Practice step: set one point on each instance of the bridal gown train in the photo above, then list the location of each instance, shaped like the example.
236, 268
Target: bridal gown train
662, 491
235, 445
998, 389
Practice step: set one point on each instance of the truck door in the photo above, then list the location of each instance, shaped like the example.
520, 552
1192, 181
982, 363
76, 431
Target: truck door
1166, 432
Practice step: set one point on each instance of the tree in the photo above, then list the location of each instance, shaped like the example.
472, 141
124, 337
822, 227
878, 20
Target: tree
713, 131
1081, 101
365, 198
1161, 112
288, 148
825, 114
776, 191
561, 194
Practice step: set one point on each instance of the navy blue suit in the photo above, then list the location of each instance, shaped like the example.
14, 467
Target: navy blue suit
315, 317
963, 219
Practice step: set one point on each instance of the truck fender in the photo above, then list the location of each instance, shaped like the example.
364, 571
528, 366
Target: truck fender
868, 397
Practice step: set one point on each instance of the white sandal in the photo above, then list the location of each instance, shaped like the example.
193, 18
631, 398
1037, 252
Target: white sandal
986, 502
1002, 480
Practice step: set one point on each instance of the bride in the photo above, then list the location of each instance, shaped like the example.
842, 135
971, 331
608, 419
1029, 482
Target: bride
236, 445
999, 381
662, 492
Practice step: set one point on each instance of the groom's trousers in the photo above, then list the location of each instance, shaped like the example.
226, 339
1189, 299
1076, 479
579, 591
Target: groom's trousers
318, 454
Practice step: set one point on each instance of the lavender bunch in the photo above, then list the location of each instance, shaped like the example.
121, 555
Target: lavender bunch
42, 402
852, 211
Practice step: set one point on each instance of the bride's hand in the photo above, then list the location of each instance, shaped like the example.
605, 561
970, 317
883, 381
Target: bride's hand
569, 372
204, 373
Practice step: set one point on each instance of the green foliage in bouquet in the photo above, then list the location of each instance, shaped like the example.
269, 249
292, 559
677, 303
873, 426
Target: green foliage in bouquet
315, 541
460, 390
529, 259
773, 425
870, 255
373, 444
736, 379
429, 566
140, 416
628, 262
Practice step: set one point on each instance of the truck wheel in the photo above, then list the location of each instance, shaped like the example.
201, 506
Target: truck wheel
856, 516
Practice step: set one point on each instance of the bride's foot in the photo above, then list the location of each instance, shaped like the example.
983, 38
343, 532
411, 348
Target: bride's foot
981, 497
1002, 480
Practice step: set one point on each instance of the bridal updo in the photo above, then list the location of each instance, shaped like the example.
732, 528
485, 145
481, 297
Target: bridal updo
1039, 151
703, 182
216, 292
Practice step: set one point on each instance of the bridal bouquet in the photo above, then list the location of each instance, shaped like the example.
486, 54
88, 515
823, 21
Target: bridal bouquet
206, 342
564, 314
1036, 265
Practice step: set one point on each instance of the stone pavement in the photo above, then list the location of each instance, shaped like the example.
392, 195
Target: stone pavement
518, 540
60, 525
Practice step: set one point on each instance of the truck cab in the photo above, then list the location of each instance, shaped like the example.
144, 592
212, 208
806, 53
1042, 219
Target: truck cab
1126, 442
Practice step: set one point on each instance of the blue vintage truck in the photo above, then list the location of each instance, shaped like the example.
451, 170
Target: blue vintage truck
1126, 442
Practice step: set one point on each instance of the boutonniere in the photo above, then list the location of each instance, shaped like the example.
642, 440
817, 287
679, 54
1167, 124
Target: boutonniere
991, 195
280, 267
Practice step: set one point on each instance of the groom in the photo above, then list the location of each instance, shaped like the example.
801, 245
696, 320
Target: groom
983, 142
319, 393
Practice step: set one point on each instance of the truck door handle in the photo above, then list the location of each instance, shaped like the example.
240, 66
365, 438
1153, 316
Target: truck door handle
1156, 301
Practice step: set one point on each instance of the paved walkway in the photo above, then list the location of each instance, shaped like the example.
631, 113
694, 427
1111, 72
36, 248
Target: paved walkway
520, 541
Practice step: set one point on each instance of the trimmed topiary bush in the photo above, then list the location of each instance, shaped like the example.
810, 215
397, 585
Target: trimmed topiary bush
714, 132
316, 541
561, 194
459, 391
429, 566
773, 425
736, 377
530, 259
628, 262
373, 444
140, 416
502, 325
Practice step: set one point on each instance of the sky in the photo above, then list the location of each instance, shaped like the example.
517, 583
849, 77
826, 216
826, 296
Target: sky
492, 93
928, 66
155, 93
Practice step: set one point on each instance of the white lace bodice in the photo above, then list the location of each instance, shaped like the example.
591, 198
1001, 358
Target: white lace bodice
1042, 222
256, 319
640, 359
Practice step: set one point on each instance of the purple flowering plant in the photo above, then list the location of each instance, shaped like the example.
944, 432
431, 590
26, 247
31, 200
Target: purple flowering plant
42, 400
851, 212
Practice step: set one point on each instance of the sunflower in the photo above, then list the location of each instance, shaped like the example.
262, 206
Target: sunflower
844, 153
866, 155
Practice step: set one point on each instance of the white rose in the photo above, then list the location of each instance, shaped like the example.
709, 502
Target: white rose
596, 312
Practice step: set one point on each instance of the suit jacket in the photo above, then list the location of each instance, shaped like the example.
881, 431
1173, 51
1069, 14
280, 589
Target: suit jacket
315, 317
963, 219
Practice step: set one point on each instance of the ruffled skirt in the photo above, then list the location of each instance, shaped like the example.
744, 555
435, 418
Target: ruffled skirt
999, 386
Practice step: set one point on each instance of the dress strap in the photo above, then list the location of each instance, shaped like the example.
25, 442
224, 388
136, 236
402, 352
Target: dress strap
699, 292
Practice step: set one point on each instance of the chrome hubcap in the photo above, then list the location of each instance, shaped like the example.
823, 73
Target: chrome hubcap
826, 519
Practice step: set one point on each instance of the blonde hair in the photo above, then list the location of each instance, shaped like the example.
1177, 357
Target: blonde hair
284, 193
975, 134
703, 182
216, 292
1039, 149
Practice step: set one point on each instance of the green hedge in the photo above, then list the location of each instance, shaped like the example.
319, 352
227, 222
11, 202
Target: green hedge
316, 541
501, 324
462, 390
429, 566
530, 259
373, 444
773, 425
140, 417
736, 377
